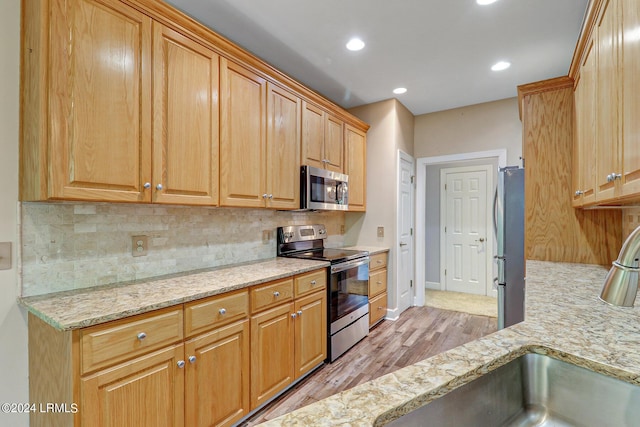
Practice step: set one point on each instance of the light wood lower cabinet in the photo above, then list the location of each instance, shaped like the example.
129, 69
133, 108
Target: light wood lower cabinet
205, 363
146, 392
377, 287
217, 376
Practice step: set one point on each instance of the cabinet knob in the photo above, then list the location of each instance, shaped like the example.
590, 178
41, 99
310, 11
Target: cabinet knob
276, 294
270, 196
192, 359
579, 193
380, 308
293, 315
299, 312
147, 185
142, 336
264, 196
222, 311
379, 282
379, 261
181, 363
313, 282
616, 176
159, 187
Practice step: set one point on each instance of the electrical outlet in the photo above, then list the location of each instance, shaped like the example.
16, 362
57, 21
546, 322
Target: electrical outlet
341, 228
266, 236
139, 245
380, 231
5, 256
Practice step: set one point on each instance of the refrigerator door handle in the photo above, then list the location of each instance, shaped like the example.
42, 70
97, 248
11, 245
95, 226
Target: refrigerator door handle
495, 213
501, 307
500, 262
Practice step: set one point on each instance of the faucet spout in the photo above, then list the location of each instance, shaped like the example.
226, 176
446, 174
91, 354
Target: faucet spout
621, 284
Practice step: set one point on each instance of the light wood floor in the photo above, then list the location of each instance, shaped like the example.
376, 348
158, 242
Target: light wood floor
420, 332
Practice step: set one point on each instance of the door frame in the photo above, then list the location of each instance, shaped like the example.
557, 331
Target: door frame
420, 200
407, 157
489, 239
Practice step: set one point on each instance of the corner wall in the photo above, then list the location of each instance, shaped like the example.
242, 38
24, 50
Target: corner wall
392, 129
14, 387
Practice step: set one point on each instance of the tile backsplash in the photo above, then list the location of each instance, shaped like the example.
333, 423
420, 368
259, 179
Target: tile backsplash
67, 246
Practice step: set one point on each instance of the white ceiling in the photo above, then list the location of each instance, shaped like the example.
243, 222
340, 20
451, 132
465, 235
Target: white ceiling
440, 50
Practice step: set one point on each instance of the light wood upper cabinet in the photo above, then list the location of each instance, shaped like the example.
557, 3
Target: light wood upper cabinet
322, 139
86, 97
607, 101
356, 167
185, 124
334, 144
630, 94
584, 173
242, 137
283, 148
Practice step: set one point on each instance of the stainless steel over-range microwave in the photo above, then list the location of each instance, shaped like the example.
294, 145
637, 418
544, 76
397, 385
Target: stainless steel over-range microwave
323, 190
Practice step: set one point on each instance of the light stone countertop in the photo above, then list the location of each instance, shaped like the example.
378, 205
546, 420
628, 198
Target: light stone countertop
85, 307
371, 249
564, 319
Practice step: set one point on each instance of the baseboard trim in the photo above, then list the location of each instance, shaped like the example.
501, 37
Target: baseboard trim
432, 285
392, 314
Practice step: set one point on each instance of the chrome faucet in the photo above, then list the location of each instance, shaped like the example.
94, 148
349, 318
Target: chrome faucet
621, 285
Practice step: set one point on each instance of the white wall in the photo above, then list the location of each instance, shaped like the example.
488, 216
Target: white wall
482, 127
391, 130
13, 324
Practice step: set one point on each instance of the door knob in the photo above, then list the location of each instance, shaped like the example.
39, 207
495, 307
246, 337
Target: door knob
480, 240
403, 244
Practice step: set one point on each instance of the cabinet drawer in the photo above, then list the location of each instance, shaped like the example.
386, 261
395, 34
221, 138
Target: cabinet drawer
377, 282
377, 308
378, 261
310, 282
271, 294
104, 345
202, 315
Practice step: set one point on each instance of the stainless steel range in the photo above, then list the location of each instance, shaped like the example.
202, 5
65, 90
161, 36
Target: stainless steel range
348, 279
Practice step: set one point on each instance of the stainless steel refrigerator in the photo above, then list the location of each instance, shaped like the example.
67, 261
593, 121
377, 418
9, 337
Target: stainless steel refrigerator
509, 228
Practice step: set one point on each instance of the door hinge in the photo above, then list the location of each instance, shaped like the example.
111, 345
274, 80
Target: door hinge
411, 283
445, 229
411, 231
445, 271
413, 179
445, 187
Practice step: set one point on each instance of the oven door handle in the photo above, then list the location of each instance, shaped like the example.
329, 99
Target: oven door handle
337, 268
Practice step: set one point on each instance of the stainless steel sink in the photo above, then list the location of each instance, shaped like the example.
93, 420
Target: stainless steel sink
533, 390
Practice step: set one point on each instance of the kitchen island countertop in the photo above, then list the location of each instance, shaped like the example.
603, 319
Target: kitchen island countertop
564, 319
85, 307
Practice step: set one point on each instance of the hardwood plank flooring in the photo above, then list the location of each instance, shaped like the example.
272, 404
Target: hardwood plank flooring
420, 332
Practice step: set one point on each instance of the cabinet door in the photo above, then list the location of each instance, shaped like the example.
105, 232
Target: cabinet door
217, 376
145, 392
283, 148
607, 101
242, 136
310, 332
630, 93
185, 122
356, 159
584, 176
334, 144
272, 366
312, 135
100, 101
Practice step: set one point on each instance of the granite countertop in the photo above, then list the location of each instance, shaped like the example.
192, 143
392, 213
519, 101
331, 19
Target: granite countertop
86, 307
371, 249
564, 319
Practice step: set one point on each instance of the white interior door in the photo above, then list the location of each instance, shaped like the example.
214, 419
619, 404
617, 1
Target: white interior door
405, 270
466, 192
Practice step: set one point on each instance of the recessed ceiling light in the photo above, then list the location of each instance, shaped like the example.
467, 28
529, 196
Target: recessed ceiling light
501, 65
399, 90
485, 2
355, 44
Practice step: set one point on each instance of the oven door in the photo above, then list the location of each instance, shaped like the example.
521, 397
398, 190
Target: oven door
348, 291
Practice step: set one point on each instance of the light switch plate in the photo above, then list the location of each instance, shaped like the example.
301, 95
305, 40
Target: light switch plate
5, 255
380, 231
